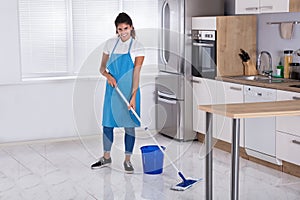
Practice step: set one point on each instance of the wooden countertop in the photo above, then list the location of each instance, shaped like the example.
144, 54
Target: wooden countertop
253, 110
279, 86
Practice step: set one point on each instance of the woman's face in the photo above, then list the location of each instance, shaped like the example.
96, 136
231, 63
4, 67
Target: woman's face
124, 31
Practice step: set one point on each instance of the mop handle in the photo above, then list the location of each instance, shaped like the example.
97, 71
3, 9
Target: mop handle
146, 128
127, 104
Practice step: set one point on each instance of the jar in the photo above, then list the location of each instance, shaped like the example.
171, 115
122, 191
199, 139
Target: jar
288, 58
294, 70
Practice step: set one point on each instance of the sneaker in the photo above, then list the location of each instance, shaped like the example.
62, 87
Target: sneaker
102, 162
128, 167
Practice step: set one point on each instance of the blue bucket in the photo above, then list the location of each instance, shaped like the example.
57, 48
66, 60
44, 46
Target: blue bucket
153, 159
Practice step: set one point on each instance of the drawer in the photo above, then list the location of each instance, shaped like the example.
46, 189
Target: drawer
288, 147
288, 125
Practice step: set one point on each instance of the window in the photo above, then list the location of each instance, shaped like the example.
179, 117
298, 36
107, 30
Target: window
44, 37
58, 35
92, 25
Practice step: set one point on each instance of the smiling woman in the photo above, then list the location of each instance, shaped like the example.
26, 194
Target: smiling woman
121, 64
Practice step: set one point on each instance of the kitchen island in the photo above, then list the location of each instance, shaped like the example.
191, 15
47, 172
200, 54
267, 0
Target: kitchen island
237, 112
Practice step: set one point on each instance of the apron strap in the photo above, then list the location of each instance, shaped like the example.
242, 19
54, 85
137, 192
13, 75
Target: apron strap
130, 45
115, 46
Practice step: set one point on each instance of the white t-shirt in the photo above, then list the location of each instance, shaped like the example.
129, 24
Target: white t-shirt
137, 49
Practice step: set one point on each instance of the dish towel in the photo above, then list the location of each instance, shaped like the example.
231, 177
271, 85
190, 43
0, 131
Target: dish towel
286, 30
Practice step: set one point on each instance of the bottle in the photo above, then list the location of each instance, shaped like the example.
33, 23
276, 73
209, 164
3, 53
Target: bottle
279, 70
294, 74
288, 58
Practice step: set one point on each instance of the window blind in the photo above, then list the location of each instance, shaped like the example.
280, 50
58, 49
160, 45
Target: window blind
43, 36
93, 24
57, 36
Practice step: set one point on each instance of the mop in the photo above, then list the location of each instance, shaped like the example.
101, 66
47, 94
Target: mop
186, 183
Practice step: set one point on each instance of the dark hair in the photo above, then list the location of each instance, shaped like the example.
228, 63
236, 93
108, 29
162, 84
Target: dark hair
124, 18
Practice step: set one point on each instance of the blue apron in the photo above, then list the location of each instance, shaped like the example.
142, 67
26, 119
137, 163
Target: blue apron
115, 111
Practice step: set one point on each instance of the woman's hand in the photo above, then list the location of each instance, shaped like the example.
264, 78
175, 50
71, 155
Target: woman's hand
132, 103
111, 80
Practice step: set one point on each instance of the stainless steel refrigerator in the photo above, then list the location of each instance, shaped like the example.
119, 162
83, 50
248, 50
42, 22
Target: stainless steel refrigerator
173, 84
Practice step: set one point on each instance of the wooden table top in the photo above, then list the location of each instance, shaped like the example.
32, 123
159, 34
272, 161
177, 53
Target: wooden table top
253, 110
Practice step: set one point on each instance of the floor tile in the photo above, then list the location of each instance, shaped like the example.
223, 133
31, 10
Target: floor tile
61, 170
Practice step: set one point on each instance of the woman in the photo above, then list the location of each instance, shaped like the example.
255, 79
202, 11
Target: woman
121, 64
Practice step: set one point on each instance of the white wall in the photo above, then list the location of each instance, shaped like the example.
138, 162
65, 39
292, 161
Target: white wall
44, 109
36, 111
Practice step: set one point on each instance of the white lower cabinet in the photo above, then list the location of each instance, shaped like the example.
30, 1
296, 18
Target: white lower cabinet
204, 93
228, 93
288, 147
288, 124
207, 91
288, 132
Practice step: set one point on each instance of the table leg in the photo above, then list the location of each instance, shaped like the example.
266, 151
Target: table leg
208, 158
235, 159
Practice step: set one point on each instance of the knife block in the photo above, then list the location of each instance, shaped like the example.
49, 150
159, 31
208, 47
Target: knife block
249, 68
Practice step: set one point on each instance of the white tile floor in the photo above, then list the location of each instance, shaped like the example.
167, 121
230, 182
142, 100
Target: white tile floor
61, 170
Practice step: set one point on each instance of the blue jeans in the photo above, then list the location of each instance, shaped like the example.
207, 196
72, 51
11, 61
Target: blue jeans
108, 139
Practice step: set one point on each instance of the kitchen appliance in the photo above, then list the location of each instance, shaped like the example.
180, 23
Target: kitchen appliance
260, 133
173, 84
204, 53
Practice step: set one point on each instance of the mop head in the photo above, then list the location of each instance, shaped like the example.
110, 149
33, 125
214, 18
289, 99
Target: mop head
185, 184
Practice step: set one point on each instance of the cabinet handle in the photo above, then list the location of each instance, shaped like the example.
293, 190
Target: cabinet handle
235, 88
266, 7
296, 142
296, 98
203, 44
251, 8
194, 81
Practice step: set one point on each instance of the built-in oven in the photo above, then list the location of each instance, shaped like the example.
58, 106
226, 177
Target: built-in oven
204, 62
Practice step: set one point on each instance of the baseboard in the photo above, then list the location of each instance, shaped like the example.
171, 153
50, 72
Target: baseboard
286, 167
222, 145
265, 163
291, 168
49, 140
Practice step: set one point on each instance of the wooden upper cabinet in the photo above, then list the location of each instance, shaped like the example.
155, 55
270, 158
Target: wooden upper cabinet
235, 33
294, 6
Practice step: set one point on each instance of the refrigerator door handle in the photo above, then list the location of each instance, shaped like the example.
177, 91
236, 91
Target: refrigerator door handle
166, 100
162, 94
163, 23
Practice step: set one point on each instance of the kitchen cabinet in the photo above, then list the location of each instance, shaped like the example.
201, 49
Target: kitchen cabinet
204, 92
235, 33
232, 34
288, 147
255, 6
228, 93
288, 124
288, 132
294, 6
